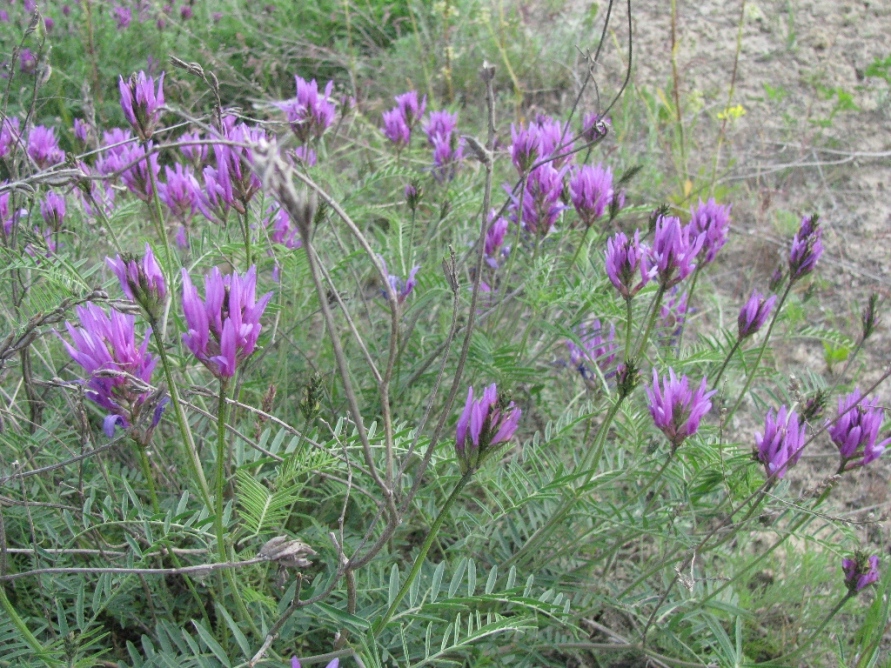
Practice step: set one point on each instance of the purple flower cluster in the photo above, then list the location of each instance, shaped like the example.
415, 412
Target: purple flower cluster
448, 148
675, 408
779, 448
309, 114
223, 329
495, 249
807, 247
597, 349
141, 105
402, 288
754, 314
595, 126
591, 191
486, 422
712, 221
43, 147
860, 572
295, 663
625, 259
542, 201
52, 208
401, 119
284, 231
674, 249
856, 431
9, 135
120, 370
141, 280
181, 192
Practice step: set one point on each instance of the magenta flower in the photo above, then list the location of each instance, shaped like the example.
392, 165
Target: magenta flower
591, 191
676, 409
135, 160
195, 153
120, 370
234, 174
713, 221
552, 136
81, 130
494, 244
448, 148
625, 258
410, 107
525, 147
485, 423
223, 329
141, 280
395, 128
542, 200
52, 208
123, 16
413, 194
9, 134
141, 105
309, 114
856, 430
598, 348
674, 250
28, 61
402, 288
807, 247
754, 314
860, 572
181, 193
43, 148
218, 196
284, 231
781, 445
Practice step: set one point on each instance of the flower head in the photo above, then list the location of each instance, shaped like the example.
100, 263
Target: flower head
448, 148
713, 221
309, 114
860, 572
141, 280
625, 258
780, 446
43, 148
120, 370
856, 431
402, 288
591, 191
542, 201
233, 173
484, 423
195, 153
123, 16
401, 119
807, 247
676, 409
223, 329
494, 244
9, 134
181, 192
284, 231
598, 349
754, 314
52, 208
674, 250
141, 105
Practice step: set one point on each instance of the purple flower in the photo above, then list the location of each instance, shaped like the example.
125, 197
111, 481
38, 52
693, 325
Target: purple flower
43, 148
402, 288
185, 12
807, 247
52, 208
594, 126
552, 135
624, 260
395, 128
49, 24
81, 130
195, 153
860, 572
856, 430
673, 250
9, 134
596, 349
295, 663
284, 232
142, 107
141, 280
27, 61
591, 191
676, 409
135, 161
754, 314
713, 221
440, 124
413, 194
123, 16
120, 370
525, 147
217, 197
181, 193
494, 244
484, 423
309, 114
305, 155
223, 329
448, 149
410, 108
542, 200
234, 174
780, 446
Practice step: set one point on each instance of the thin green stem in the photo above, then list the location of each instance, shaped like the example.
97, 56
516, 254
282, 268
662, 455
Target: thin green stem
149, 478
220, 470
696, 273
751, 375
578, 249
246, 230
158, 214
22, 627
726, 362
629, 315
654, 313
419, 560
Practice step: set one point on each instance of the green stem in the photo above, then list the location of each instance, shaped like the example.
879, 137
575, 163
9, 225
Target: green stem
419, 560
188, 442
813, 636
689, 302
654, 313
578, 249
149, 478
19, 623
246, 230
158, 214
220, 475
726, 361
629, 314
751, 375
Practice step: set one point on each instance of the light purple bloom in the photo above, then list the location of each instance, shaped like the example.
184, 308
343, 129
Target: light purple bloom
295, 663
713, 221
141, 105
413, 193
43, 148
81, 130
52, 208
448, 149
591, 191
305, 155
27, 61
185, 12
284, 232
234, 174
598, 348
754, 314
401, 288
855, 433
484, 423
525, 147
553, 139
494, 244
119, 369
223, 329
181, 193
625, 258
135, 160
141, 280
860, 572
807, 247
782, 442
217, 197
195, 153
674, 250
676, 409
123, 16
9, 134
542, 200
410, 108
309, 114
395, 128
